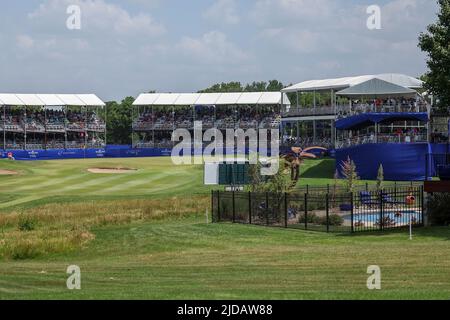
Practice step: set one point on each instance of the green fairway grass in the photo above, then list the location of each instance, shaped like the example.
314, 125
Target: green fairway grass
188, 259
69, 180
143, 235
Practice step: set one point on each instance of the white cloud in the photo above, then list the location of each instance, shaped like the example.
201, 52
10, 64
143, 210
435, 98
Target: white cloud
299, 41
213, 48
125, 47
24, 41
97, 16
222, 12
268, 12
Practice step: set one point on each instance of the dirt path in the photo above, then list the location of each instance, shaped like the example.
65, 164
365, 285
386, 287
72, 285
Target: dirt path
7, 172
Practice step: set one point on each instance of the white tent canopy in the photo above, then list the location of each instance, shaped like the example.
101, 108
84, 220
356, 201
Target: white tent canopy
377, 88
229, 98
10, 100
347, 82
50, 100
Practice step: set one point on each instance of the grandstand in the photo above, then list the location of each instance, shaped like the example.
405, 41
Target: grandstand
373, 120
157, 115
321, 104
52, 121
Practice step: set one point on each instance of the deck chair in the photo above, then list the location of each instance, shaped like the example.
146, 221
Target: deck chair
366, 199
388, 200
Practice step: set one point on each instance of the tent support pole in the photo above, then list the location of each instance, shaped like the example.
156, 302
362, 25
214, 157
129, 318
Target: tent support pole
65, 127
314, 131
25, 129
153, 126
106, 121
4, 128
314, 100
45, 128
133, 132
376, 132
85, 128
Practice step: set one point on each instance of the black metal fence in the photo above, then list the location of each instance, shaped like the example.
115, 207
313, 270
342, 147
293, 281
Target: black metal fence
326, 211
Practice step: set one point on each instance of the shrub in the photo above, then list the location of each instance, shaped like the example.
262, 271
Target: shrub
26, 223
439, 209
312, 218
333, 220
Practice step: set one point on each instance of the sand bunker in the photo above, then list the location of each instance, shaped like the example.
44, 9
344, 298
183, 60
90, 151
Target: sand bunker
7, 172
111, 170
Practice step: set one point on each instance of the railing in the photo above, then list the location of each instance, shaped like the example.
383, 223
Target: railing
35, 128
308, 142
96, 145
15, 146
14, 128
79, 127
304, 112
326, 210
343, 111
382, 138
221, 125
35, 146
55, 128
346, 110
52, 127
100, 127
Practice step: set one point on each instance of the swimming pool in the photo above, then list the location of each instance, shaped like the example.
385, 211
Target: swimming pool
399, 217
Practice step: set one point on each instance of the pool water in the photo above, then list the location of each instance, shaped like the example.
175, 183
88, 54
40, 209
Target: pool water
375, 217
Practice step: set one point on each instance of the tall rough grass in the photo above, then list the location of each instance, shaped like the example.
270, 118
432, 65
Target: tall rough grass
59, 228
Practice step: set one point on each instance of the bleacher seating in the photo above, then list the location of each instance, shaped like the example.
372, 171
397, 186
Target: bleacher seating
47, 129
222, 118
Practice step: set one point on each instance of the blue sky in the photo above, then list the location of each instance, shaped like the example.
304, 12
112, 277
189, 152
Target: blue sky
131, 46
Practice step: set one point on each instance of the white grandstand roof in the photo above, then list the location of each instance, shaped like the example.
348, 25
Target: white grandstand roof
91, 100
188, 99
146, 99
272, 98
228, 98
208, 99
70, 99
10, 100
30, 100
343, 83
250, 97
167, 99
50, 100
377, 88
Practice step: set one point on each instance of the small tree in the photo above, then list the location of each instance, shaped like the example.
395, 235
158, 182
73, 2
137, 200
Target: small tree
380, 177
335, 185
256, 180
280, 182
278, 185
350, 174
